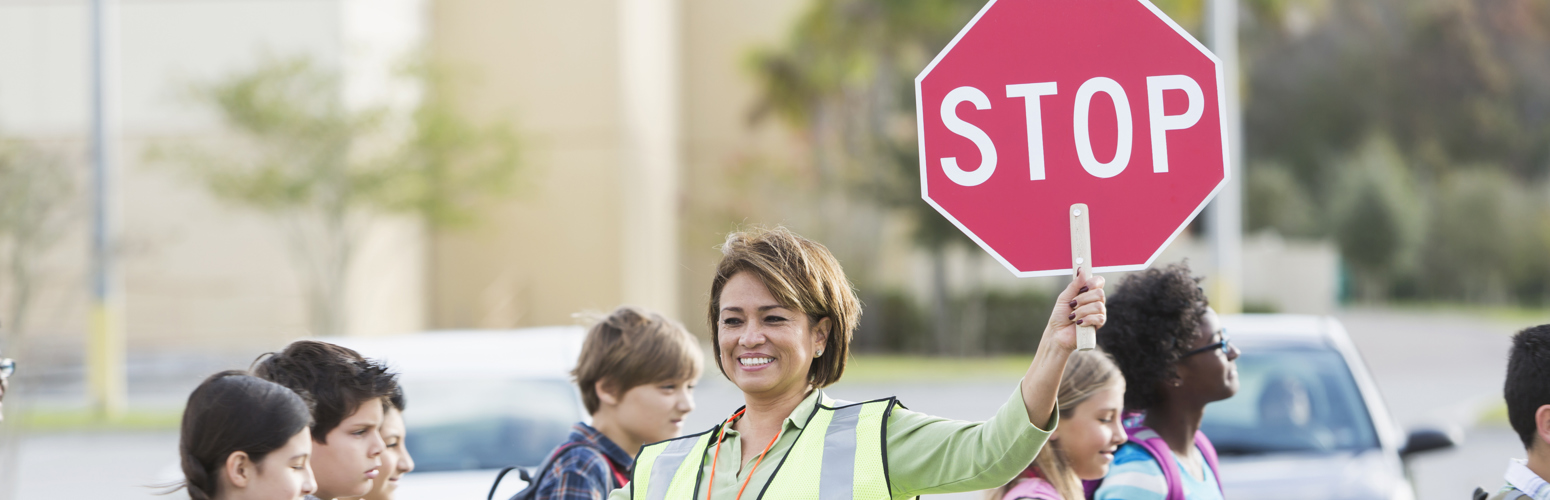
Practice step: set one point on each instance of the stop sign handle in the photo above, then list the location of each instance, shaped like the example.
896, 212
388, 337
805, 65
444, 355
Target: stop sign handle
1082, 258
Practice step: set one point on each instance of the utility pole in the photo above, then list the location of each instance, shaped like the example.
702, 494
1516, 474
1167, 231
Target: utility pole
105, 340
1226, 220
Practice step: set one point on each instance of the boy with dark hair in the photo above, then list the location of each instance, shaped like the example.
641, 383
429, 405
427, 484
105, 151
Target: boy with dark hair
1528, 410
347, 392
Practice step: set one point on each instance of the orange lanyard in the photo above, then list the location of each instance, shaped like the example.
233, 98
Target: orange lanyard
716, 458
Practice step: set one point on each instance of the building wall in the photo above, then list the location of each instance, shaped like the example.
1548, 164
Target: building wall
551, 69
631, 121
196, 273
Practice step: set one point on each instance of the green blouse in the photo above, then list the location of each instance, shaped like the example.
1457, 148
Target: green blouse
926, 454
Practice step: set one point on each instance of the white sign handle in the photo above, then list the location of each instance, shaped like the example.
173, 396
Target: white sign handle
1082, 258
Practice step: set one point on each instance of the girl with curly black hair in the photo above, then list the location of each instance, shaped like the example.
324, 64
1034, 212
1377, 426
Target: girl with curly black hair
1176, 359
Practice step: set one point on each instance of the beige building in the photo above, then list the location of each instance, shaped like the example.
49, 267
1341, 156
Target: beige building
628, 111
637, 144
632, 111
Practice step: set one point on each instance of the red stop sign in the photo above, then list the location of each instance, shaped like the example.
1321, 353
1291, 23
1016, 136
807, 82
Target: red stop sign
1041, 104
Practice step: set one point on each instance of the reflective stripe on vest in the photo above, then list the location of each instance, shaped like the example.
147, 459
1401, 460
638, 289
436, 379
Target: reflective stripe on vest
663, 469
838, 455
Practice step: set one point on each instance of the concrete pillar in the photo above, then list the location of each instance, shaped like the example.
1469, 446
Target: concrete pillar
649, 102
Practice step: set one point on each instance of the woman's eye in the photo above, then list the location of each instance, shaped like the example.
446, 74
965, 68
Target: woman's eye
774, 319
732, 321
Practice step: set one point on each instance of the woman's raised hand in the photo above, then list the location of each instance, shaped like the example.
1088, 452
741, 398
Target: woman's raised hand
1081, 303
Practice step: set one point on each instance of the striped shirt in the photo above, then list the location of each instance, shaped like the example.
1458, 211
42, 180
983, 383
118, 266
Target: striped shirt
1136, 476
1520, 477
582, 472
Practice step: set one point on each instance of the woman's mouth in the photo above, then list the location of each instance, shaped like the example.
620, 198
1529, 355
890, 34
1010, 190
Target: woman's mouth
372, 474
755, 362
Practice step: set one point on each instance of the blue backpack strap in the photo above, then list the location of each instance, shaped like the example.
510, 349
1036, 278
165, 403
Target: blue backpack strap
1158, 449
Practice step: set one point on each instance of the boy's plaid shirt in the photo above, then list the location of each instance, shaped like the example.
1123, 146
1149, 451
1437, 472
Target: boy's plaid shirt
582, 472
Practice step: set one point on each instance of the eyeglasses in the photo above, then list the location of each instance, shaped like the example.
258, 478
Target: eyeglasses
1224, 345
7, 367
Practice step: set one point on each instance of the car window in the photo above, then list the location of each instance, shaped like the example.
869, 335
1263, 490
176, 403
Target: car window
1291, 399
486, 424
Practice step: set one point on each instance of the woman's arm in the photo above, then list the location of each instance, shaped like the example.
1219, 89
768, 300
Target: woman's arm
930, 455
935, 455
1081, 303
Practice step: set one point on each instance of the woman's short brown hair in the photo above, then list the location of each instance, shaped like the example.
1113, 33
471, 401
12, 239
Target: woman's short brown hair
802, 275
633, 347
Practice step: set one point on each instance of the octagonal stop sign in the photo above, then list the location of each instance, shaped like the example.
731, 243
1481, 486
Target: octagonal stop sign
1040, 105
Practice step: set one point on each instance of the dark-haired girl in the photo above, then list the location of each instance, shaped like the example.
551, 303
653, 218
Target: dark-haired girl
1176, 359
245, 438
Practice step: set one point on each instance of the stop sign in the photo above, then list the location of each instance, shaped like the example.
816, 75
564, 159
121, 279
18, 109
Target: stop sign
1038, 105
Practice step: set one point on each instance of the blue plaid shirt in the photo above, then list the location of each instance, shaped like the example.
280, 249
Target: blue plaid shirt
582, 472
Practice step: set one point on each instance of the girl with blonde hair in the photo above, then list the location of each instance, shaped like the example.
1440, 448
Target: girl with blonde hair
1091, 398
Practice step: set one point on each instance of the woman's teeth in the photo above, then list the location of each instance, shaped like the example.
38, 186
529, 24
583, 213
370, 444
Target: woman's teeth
754, 361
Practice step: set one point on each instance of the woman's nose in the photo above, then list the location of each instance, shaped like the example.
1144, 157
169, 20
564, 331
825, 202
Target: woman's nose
1232, 352
752, 337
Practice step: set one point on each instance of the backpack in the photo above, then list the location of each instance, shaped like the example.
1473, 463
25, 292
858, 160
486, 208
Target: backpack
1513, 494
532, 476
1158, 449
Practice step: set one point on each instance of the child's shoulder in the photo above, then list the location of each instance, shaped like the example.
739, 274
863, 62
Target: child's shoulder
1130, 453
1135, 475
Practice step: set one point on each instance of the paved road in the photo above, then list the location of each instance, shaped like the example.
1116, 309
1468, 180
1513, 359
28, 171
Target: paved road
1432, 369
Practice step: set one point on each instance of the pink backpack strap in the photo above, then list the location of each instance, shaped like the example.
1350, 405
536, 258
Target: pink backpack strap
1209, 450
1158, 449
1033, 487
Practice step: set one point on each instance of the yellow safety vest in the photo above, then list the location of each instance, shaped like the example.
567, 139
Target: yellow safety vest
840, 454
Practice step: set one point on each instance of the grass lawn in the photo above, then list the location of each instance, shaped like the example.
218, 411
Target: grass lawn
68, 420
888, 367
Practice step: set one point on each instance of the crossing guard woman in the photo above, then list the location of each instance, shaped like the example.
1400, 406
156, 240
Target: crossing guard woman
783, 314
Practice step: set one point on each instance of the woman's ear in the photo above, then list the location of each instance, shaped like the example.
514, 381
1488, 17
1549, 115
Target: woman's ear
606, 392
239, 469
821, 331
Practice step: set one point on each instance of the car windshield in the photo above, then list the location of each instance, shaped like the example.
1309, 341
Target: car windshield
1291, 399
486, 424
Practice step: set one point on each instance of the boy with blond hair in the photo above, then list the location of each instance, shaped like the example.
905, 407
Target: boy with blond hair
636, 374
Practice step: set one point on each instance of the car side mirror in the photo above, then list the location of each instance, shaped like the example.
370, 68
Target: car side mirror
1424, 440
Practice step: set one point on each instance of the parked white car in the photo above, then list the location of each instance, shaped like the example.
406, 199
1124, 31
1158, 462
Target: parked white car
1308, 421
479, 401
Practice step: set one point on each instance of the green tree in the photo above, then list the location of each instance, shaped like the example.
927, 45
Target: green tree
37, 198
325, 168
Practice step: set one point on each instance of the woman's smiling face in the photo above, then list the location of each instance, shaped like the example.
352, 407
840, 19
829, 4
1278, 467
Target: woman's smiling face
766, 348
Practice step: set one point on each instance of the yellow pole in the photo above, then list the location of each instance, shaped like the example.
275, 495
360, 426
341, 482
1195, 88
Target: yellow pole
105, 362
105, 340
